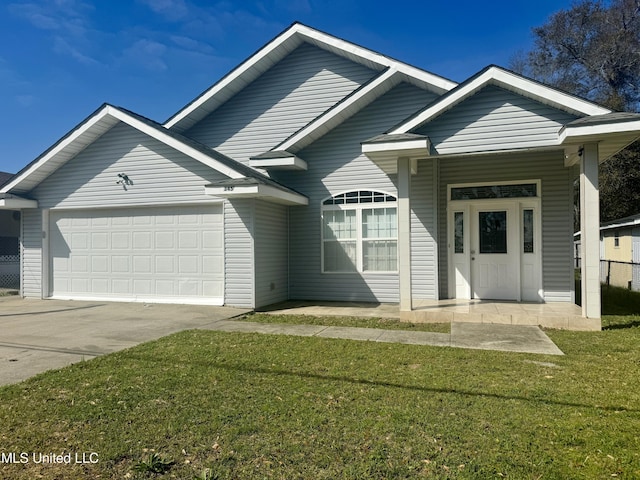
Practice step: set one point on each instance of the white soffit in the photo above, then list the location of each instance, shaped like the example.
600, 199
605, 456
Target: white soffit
68, 147
88, 132
586, 133
275, 51
509, 81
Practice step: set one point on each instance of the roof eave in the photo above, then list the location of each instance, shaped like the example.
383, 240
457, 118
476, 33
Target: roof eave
505, 79
88, 132
260, 191
277, 49
14, 202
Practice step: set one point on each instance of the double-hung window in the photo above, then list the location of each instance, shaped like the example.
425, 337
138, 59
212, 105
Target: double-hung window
360, 233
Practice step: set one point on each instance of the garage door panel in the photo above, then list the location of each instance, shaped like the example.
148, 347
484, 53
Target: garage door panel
188, 239
100, 264
154, 254
99, 241
142, 264
142, 240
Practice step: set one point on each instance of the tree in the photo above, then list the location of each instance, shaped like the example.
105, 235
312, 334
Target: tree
593, 50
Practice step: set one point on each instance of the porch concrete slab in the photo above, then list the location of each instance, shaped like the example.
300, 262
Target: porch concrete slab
510, 338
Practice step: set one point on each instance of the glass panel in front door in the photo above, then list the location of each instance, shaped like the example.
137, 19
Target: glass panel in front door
492, 231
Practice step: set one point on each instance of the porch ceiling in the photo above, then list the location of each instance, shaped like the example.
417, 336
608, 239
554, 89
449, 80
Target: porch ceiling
612, 132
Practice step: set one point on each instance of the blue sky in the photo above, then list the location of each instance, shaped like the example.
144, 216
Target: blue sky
61, 59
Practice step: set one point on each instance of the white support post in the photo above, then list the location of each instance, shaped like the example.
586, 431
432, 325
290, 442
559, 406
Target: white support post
590, 231
404, 233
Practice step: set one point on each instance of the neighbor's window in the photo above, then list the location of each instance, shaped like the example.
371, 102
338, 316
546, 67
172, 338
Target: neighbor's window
360, 233
616, 239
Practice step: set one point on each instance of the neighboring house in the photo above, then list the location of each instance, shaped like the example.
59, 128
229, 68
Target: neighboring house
321, 170
9, 246
621, 249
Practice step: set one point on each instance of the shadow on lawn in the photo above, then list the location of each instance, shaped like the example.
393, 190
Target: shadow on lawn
620, 306
377, 383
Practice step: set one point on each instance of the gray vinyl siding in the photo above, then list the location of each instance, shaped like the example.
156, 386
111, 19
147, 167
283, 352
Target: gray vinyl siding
271, 253
280, 102
159, 174
557, 209
424, 278
239, 253
495, 119
31, 254
336, 164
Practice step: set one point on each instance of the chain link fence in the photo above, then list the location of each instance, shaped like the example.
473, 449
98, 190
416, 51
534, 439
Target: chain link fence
618, 274
10, 271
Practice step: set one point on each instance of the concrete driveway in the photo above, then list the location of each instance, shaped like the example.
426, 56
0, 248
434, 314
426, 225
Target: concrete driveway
38, 335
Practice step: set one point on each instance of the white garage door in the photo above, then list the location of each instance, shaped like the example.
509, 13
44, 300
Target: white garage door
160, 254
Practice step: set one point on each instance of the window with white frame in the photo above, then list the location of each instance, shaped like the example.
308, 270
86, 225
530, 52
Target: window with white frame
360, 232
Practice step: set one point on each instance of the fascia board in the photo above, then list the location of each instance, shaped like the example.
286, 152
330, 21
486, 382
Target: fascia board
108, 116
406, 145
173, 143
382, 61
17, 203
288, 40
583, 133
234, 76
385, 78
510, 81
545, 94
286, 163
67, 141
257, 191
439, 107
630, 223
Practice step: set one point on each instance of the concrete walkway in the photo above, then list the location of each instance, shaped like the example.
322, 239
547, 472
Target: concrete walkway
38, 335
507, 338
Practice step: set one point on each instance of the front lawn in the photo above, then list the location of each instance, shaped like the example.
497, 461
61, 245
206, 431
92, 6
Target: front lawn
336, 321
202, 404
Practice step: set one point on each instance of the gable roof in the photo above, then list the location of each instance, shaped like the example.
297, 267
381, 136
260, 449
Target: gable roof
102, 120
494, 75
275, 51
5, 177
347, 107
625, 222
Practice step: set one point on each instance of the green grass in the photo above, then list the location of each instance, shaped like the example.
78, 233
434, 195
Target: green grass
620, 301
248, 406
336, 321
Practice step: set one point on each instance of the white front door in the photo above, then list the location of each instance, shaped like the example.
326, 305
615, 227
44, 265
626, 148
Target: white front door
495, 244
494, 251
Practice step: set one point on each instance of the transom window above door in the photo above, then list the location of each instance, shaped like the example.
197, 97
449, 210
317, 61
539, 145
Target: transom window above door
359, 232
483, 192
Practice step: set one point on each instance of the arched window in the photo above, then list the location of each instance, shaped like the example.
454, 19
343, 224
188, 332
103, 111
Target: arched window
360, 232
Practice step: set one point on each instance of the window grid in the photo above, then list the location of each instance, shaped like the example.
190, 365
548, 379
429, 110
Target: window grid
357, 236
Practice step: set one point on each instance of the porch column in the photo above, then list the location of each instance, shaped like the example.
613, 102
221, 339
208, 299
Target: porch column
404, 232
590, 231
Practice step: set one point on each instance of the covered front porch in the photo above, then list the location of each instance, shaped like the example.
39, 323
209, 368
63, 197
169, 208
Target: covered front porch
582, 144
560, 315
